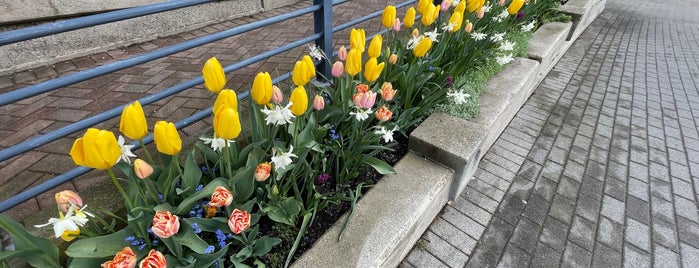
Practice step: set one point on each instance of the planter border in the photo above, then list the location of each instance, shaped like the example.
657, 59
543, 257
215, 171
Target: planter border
445, 152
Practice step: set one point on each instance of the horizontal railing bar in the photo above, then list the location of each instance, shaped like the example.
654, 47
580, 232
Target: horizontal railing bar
92, 20
30, 91
367, 17
104, 116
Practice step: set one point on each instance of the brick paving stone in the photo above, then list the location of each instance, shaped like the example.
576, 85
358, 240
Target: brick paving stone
605, 256
663, 257
638, 234
576, 256
634, 257
452, 235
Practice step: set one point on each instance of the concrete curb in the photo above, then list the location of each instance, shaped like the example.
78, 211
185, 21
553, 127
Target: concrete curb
383, 239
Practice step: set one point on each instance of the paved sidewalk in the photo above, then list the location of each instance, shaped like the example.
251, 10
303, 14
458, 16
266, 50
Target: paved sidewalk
41, 114
600, 167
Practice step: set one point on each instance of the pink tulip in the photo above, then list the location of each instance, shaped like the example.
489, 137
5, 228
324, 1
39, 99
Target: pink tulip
445, 5
501, 3
338, 69
342, 53
396, 25
364, 100
66, 198
277, 95
318, 103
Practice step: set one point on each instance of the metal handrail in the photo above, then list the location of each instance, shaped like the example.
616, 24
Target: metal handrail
88, 74
28, 33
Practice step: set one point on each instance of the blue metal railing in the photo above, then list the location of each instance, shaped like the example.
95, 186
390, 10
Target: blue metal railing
322, 38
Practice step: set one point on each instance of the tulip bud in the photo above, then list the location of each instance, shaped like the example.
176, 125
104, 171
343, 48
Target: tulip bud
166, 138
393, 59
396, 25
389, 16
142, 169
227, 123
354, 62
338, 69
515, 6
409, 18
461, 7
66, 198
444, 6
383, 114
214, 77
299, 101
342, 53
277, 96
456, 19
261, 91
422, 47
501, 2
416, 33
387, 91
481, 13
423, 5
318, 103
226, 98
96, 149
362, 88
133, 121
372, 70
263, 171
357, 40
469, 26
375, 46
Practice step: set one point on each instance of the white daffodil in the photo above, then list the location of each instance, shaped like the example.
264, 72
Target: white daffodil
412, 43
528, 27
478, 36
386, 135
432, 35
504, 59
71, 221
455, 2
487, 8
361, 114
125, 151
500, 17
507, 46
497, 37
459, 97
216, 143
279, 115
282, 159
315, 52
449, 27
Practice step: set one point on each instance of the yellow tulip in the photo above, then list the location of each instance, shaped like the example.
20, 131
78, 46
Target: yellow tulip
227, 124
422, 47
298, 75
354, 62
299, 101
214, 77
166, 138
430, 15
515, 6
97, 149
456, 20
357, 40
372, 70
409, 18
389, 16
423, 5
461, 7
375, 46
310, 66
474, 5
261, 91
133, 121
227, 98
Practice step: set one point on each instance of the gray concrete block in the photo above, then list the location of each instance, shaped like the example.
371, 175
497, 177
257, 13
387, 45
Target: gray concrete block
17, 11
546, 41
407, 201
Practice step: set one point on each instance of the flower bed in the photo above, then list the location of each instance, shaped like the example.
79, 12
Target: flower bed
206, 209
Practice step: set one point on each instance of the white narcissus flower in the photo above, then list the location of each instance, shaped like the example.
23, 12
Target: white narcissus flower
432, 35
282, 159
504, 59
528, 27
455, 2
501, 16
125, 151
487, 8
216, 143
279, 115
361, 114
506, 46
497, 37
449, 27
315, 52
412, 43
386, 135
71, 221
478, 36
459, 97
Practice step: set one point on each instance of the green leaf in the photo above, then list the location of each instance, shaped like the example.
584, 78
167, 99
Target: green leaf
25, 241
98, 247
206, 260
85, 262
209, 225
189, 202
382, 167
187, 237
8, 255
264, 245
243, 181
192, 174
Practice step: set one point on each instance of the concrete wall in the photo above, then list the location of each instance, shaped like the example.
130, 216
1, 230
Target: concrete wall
12, 11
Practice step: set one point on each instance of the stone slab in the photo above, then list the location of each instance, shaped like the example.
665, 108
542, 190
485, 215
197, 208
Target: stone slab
388, 220
583, 13
14, 11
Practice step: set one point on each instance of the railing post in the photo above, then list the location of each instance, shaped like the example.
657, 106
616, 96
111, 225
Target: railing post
323, 23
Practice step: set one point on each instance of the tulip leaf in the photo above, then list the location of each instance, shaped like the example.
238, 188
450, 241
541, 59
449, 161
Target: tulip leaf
243, 181
187, 237
205, 192
99, 246
25, 241
85, 262
382, 167
192, 174
206, 260
208, 225
264, 245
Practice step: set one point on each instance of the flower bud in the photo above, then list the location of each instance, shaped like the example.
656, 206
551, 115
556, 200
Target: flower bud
444, 6
277, 95
214, 76
388, 16
142, 169
409, 18
263, 171
393, 59
501, 2
387, 91
383, 114
515, 6
66, 198
468, 27
318, 103
362, 88
415, 33
396, 25
338, 69
481, 13
342, 53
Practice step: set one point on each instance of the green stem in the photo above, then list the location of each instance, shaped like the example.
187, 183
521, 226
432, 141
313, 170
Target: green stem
148, 157
228, 160
129, 205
